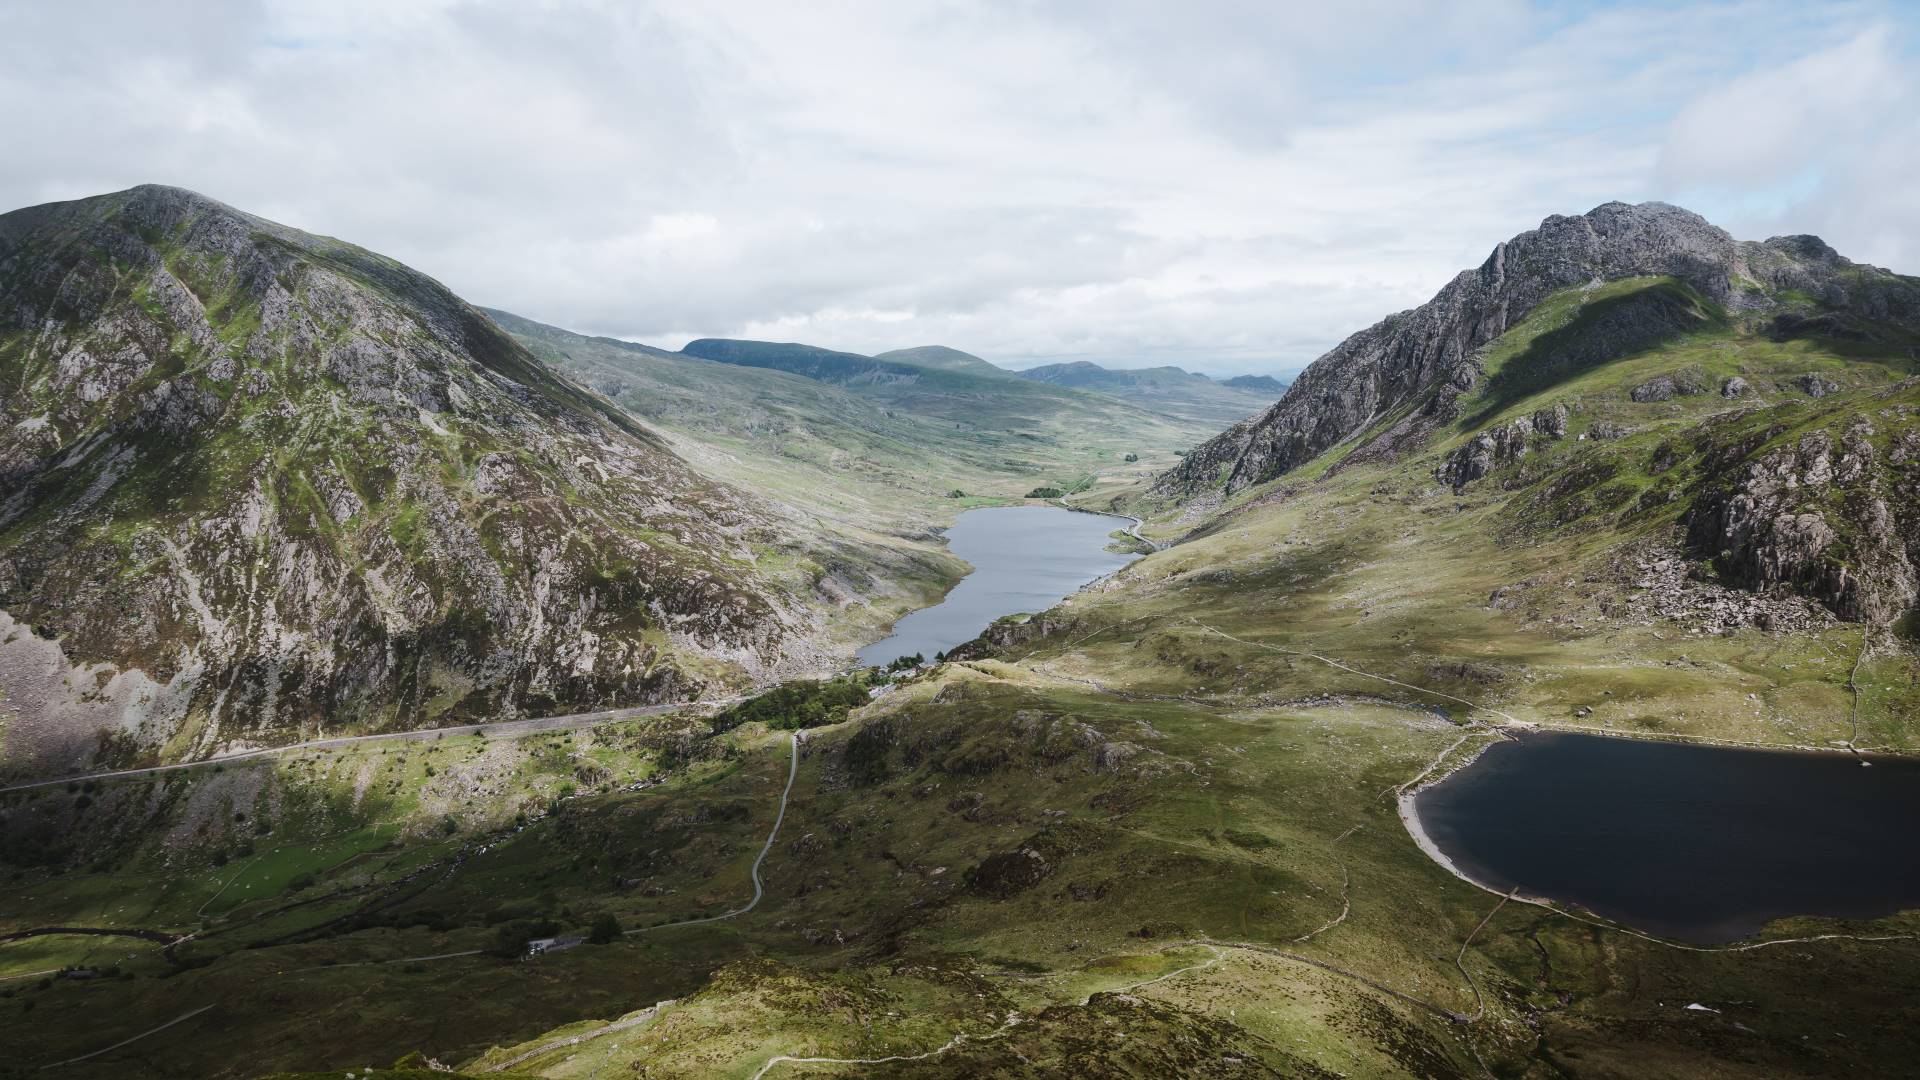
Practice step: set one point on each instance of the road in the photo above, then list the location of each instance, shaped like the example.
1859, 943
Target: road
136, 1038
759, 890
568, 722
1132, 530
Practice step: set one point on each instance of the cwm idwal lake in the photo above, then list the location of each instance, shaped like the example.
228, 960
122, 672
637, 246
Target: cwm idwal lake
1025, 558
1702, 844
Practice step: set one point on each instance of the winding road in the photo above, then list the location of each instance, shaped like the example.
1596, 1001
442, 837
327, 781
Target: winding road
759, 890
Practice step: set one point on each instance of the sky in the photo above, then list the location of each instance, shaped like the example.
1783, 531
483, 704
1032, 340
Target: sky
1230, 187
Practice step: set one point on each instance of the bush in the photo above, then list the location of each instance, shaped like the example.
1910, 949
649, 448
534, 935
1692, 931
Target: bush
956, 493
605, 928
1045, 493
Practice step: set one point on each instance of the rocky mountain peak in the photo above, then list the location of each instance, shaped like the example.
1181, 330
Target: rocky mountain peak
1428, 356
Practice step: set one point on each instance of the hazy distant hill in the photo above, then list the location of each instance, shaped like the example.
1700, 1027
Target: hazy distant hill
873, 442
1166, 389
939, 356
1264, 384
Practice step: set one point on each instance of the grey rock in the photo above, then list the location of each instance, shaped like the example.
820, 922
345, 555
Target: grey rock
1768, 524
1735, 387
1816, 386
1500, 445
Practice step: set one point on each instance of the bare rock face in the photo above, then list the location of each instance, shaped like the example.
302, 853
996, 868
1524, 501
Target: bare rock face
1429, 352
1500, 445
1816, 386
1832, 518
1666, 388
1735, 387
296, 486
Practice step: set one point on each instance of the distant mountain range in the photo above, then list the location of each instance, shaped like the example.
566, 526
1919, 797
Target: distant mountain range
1168, 389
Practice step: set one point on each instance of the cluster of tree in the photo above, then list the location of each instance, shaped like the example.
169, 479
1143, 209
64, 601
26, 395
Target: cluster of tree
1045, 493
802, 703
510, 938
908, 663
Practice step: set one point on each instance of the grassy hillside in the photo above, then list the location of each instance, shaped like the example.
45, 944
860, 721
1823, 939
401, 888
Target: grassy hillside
939, 356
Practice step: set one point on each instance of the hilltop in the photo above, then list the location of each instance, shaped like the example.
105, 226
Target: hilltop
1167, 389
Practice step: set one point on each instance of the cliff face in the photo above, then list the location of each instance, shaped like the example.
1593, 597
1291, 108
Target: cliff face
1833, 513
256, 484
1425, 359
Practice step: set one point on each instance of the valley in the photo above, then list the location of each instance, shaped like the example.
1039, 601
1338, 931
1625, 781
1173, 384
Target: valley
1629, 478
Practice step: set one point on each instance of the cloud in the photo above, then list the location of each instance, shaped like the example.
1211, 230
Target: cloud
1228, 185
1820, 144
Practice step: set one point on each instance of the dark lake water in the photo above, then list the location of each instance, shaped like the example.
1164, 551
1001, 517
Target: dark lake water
1025, 558
1695, 843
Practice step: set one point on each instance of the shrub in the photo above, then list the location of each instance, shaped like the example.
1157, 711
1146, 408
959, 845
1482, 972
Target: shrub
605, 928
1045, 493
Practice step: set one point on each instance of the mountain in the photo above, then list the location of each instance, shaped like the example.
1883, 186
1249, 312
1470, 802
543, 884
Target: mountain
939, 356
808, 361
1166, 389
1264, 384
1401, 378
261, 484
1639, 371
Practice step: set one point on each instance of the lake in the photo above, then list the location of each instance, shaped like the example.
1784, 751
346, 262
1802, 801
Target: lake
1025, 558
1701, 844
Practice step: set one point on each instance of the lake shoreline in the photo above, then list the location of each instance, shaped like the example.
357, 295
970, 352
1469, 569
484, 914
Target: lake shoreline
1020, 564
1573, 860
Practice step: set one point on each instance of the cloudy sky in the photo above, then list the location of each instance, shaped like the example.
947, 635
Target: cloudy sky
1226, 186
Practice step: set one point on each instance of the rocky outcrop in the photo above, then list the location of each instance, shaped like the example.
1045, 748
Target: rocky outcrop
256, 484
1666, 388
1816, 386
1426, 357
1735, 387
1830, 516
1499, 446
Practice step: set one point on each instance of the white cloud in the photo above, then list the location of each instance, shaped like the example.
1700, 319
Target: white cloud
1824, 144
1231, 185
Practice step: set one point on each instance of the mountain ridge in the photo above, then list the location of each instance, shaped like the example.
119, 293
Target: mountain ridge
1431, 348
